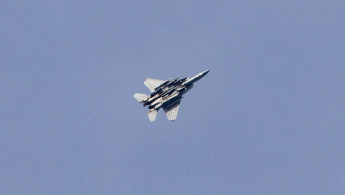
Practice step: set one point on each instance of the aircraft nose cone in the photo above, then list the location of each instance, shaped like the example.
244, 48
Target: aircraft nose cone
205, 72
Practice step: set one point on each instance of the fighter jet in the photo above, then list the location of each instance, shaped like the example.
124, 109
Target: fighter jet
166, 94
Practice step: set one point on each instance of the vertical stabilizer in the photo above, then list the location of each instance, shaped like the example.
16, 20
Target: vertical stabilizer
152, 115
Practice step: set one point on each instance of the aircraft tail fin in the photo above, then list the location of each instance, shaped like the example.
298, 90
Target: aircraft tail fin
140, 97
152, 115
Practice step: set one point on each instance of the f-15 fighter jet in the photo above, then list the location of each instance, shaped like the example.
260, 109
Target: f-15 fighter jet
166, 94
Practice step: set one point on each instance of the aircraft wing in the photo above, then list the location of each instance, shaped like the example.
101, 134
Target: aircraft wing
172, 111
152, 83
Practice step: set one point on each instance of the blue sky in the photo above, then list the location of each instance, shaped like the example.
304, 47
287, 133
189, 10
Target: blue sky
268, 119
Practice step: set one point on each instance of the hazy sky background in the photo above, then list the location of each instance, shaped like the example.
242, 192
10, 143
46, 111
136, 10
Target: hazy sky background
269, 118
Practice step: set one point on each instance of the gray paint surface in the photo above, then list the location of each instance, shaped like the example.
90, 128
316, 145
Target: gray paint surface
166, 95
273, 124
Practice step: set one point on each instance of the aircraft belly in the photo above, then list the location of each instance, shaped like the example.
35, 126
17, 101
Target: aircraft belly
166, 94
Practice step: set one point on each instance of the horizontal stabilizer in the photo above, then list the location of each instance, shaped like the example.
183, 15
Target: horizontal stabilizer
140, 97
152, 115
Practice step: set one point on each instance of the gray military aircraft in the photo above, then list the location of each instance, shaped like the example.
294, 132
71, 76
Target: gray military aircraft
166, 94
